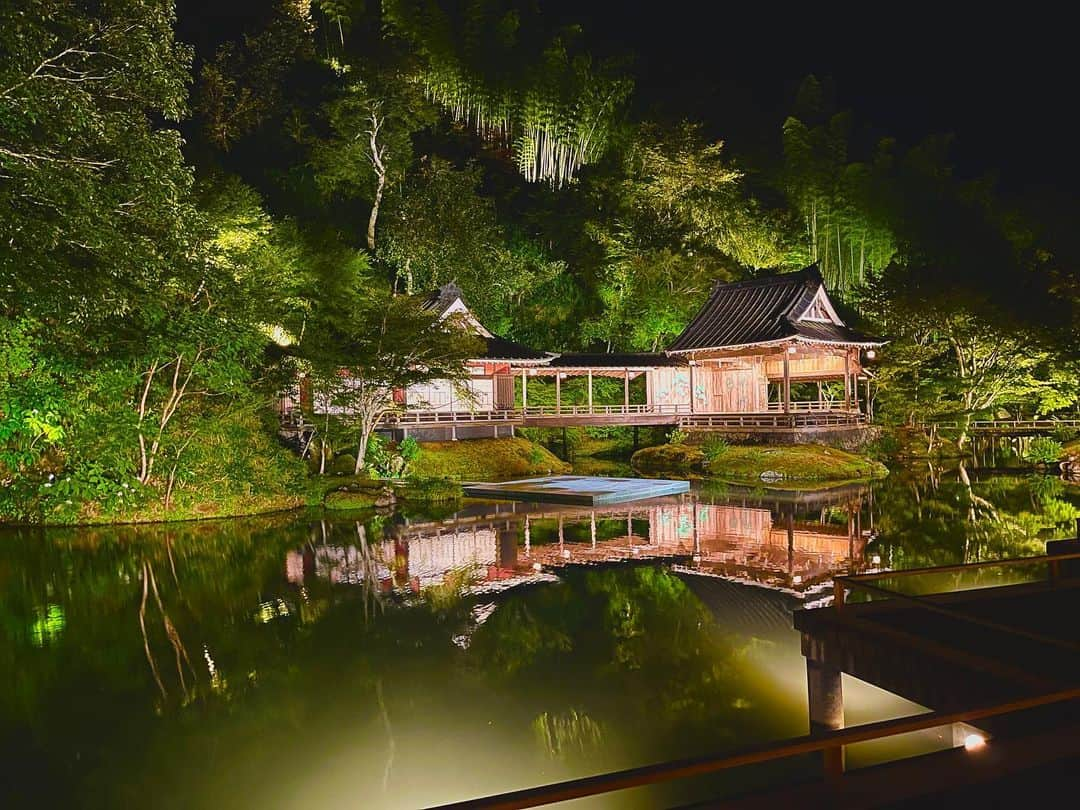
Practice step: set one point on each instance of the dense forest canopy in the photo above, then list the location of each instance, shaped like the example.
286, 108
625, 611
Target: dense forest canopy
184, 227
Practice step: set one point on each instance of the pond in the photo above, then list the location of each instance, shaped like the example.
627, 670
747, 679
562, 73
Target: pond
413, 659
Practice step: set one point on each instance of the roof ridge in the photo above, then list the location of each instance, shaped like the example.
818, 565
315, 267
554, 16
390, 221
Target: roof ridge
809, 272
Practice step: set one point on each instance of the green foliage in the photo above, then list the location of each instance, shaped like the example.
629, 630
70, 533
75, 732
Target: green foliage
409, 449
431, 490
956, 355
242, 87
842, 203
714, 448
94, 189
344, 464
678, 436
543, 95
1044, 450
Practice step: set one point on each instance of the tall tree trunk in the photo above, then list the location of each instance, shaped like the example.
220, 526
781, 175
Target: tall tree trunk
375, 211
378, 153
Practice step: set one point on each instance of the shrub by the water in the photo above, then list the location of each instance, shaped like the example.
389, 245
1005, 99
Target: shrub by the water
343, 464
1044, 450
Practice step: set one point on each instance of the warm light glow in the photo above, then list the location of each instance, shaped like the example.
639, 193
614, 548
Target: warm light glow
870, 354
973, 742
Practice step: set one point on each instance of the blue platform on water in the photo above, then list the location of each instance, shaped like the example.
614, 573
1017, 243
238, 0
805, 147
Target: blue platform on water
578, 489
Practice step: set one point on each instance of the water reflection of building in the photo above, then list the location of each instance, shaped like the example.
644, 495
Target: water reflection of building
778, 540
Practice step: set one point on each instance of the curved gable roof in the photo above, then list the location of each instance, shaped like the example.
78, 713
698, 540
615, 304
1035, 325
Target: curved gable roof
449, 300
765, 310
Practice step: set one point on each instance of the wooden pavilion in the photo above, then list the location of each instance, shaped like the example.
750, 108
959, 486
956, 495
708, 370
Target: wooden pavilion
754, 338
732, 369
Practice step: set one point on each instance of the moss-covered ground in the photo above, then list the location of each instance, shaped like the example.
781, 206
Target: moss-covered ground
485, 460
803, 462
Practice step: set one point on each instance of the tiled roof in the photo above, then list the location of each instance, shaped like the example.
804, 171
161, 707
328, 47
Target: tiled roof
501, 349
440, 300
615, 360
763, 310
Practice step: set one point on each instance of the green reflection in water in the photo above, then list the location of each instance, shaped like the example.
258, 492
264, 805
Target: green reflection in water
191, 666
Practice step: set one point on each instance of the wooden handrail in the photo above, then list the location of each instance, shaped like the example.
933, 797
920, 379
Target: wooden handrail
910, 572
697, 766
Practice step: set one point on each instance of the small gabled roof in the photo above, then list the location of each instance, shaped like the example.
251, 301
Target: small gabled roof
791, 307
449, 300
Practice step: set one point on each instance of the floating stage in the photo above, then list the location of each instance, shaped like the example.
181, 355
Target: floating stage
578, 489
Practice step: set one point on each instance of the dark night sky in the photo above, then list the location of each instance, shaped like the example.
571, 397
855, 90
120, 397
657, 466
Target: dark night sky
1003, 85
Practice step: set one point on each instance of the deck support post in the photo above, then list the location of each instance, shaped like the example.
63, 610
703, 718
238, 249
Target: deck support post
825, 696
626, 390
592, 527
590, 390
558, 392
524, 389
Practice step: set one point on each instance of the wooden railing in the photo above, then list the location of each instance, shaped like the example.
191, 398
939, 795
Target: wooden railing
806, 406
540, 411
679, 414
1005, 425
773, 421
842, 583
418, 418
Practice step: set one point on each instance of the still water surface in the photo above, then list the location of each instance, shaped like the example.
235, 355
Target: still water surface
413, 659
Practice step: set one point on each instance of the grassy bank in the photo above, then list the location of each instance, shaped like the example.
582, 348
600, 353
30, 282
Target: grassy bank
803, 462
485, 460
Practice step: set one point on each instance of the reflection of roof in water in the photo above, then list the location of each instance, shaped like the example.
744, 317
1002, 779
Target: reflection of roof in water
755, 611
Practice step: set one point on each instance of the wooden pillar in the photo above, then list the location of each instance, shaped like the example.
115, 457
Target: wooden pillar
847, 380
626, 390
592, 527
691, 386
787, 383
558, 392
590, 390
819, 404
524, 389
